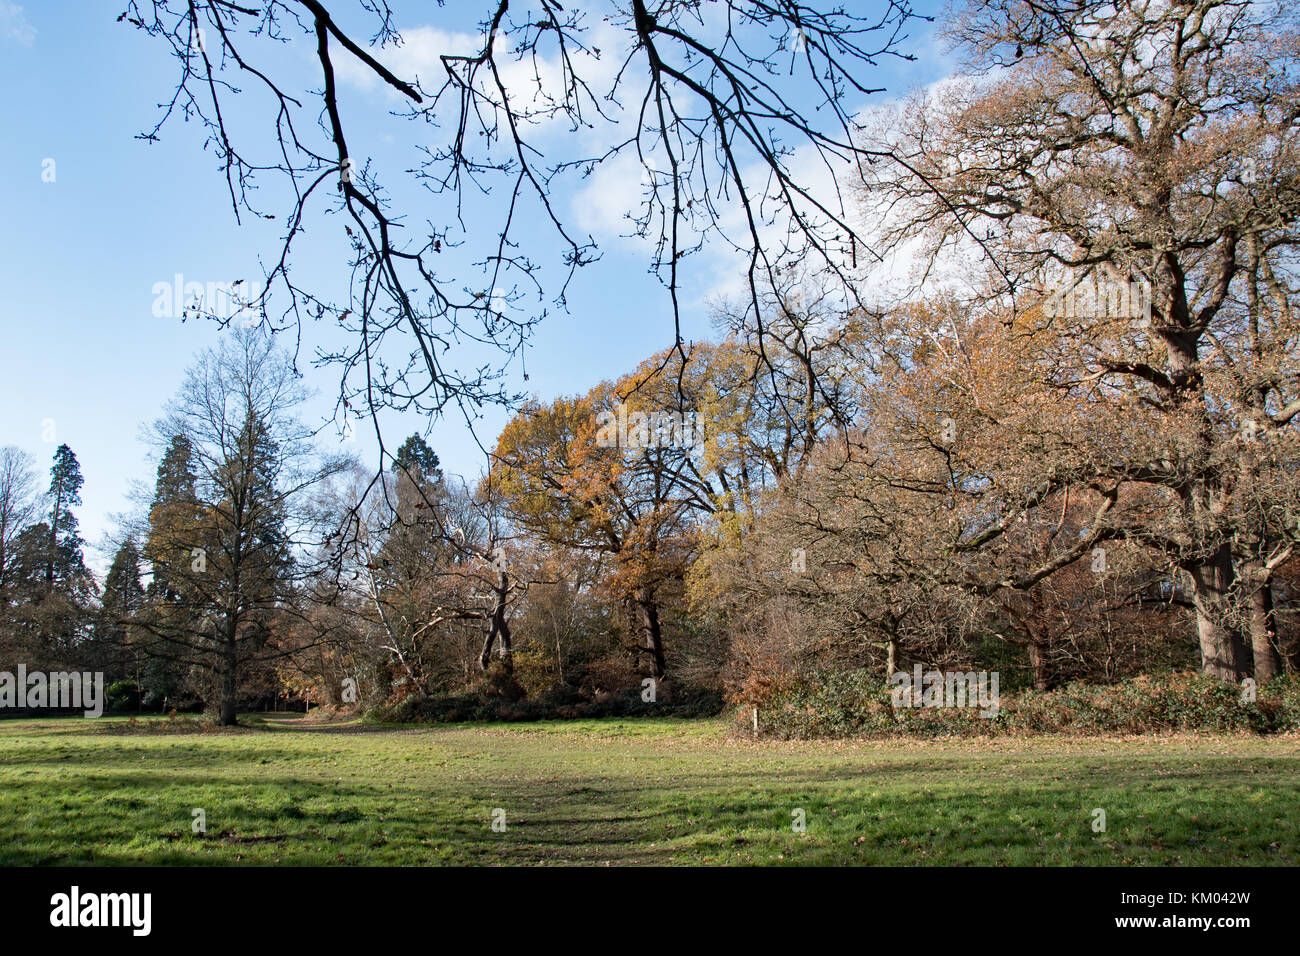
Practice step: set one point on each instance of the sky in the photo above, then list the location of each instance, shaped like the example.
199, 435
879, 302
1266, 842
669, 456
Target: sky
95, 218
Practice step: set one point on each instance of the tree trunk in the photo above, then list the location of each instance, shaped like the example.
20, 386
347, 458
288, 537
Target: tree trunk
646, 616
1223, 654
1038, 665
229, 675
499, 627
333, 689
1263, 633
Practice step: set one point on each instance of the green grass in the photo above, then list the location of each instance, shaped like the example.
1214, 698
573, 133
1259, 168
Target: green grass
621, 791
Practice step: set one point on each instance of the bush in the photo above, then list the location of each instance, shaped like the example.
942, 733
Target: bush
858, 703
562, 701
1279, 702
122, 695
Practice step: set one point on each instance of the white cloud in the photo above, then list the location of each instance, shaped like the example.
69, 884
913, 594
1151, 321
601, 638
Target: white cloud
617, 188
529, 80
418, 57
601, 204
895, 276
14, 25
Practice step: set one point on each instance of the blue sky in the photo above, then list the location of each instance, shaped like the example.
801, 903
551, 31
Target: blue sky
79, 256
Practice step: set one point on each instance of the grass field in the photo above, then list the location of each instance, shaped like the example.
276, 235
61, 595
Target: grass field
619, 791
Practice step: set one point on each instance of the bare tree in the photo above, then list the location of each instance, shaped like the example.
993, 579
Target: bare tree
19, 504
712, 100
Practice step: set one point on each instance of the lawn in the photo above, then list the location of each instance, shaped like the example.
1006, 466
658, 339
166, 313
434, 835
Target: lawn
287, 791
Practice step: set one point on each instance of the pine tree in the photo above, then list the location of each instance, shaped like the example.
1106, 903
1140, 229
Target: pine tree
171, 606
64, 559
123, 592
416, 458
231, 502
175, 502
121, 601
53, 588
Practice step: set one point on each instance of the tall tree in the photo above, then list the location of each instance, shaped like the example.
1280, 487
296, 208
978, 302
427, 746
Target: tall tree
175, 501
171, 606
625, 471
120, 603
418, 459
18, 507
65, 557
233, 555
1133, 144
48, 574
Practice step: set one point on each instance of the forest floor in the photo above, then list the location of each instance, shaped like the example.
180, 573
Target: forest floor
652, 791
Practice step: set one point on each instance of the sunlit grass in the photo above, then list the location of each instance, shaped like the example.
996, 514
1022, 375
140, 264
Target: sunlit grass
283, 791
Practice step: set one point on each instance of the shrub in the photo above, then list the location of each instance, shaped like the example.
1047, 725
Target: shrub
122, 695
858, 703
563, 702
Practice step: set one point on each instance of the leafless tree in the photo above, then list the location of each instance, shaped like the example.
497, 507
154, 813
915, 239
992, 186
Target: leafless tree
19, 502
712, 99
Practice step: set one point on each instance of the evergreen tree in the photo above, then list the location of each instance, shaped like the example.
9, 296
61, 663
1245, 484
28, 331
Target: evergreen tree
232, 507
122, 600
123, 592
64, 559
53, 590
175, 503
171, 603
415, 457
